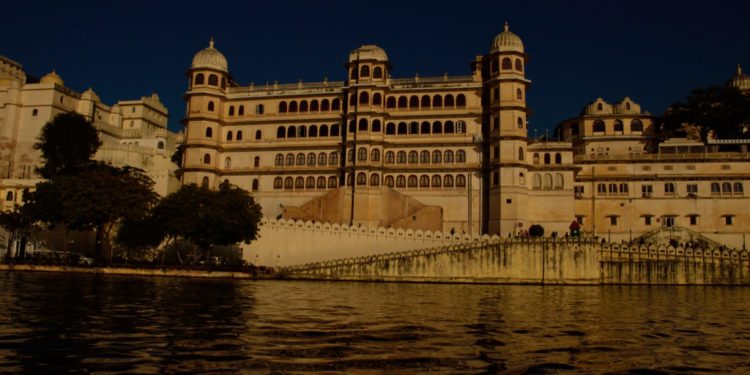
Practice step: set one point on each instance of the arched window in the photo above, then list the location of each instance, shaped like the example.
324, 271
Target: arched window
400, 181
350, 156
414, 102
536, 181
668, 187
437, 127
362, 154
293, 106
413, 127
558, 158
199, 79
547, 159
536, 158
278, 183
303, 106
599, 126
506, 64
353, 74
375, 155
322, 158
715, 188
300, 159
460, 181
321, 182
231, 110
241, 110
336, 105
333, 158
310, 183
519, 121
213, 80
402, 101
255, 185
332, 182
425, 102
521, 179
738, 188
402, 128
374, 180
377, 72
361, 178
389, 181
288, 183
363, 124
229, 135
390, 128
424, 157
282, 107
334, 130
389, 157
291, 132
424, 128
206, 159
448, 129
636, 125
256, 162
302, 131
314, 107
519, 65
210, 106
437, 157
413, 157
280, 132
313, 131
448, 181
448, 156
311, 158
437, 101
519, 94
299, 183
364, 71
618, 126
239, 135
376, 126
559, 182
204, 182
436, 181
325, 105
352, 126
521, 153
279, 160
726, 188
547, 181
323, 131
160, 145
228, 163
377, 99
9, 196
390, 102
412, 181
449, 101
460, 156
424, 181
460, 100
401, 157
364, 98
289, 159
599, 107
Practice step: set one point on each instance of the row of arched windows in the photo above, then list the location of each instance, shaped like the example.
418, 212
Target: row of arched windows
423, 181
213, 80
310, 159
612, 189
425, 157
547, 157
599, 127
364, 71
298, 183
726, 188
546, 181
312, 106
425, 102
259, 110
231, 136
416, 128
311, 131
506, 64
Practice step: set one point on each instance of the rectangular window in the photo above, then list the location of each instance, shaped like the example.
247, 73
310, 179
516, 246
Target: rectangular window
692, 189
496, 123
613, 220
578, 190
647, 190
579, 219
647, 220
667, 221
728, 220
693, 220
669, 188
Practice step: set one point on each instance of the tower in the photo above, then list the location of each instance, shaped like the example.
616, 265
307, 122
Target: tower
208, 78
505, 133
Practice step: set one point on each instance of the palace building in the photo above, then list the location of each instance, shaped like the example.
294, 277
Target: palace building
452, 153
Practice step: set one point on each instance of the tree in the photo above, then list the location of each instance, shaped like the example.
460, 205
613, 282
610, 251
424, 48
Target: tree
67, 143
18, 225
536, 230
723, 109
139, 236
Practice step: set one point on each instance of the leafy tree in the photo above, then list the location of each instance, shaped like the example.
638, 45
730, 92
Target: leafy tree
18, 225
67, 144
723, 109
536, 230
139, 236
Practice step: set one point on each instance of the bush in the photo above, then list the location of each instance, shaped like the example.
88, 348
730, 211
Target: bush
536, 230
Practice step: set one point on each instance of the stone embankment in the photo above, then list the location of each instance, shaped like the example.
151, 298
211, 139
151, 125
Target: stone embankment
134, 271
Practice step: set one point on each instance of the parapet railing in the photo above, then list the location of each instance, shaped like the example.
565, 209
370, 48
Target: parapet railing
621, 251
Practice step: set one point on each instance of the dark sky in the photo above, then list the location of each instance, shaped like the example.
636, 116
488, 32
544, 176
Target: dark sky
654, 51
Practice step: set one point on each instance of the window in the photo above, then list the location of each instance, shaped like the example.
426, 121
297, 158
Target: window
278, 183
448, 127
260, 109
601, 189
448, 156
390, 128
213, 80
728, 219
460, 181
229, 135
618, 126
377, 72
228, 163
323, 131
448, 101
738, 188
364, 98
311, 159
460, 127
282, 107
579, 219
292, 132
460, 156
210, 106
413, 102
669, 188
599, 126
336, 104
310, 183
333, 158
256, 162
437, 157
292, 106
334, 130
693, 219
362, 154
280, 132
389, 157
299, 183
578, 190
519, 65
519, 94
412, 181
413, 127
258, 134
289, 159
160, 145
375, 155
279, 160
376, 126
425, 102
400, 181
322, 158
668, 221
547, 159
436, 181
204, 182
34, 112
9, 196
461, 100
624, 189
390, 102
363, 125
613, 220
401, 157
647, 220
448, 181
314, 107
300, 159
199, 79
612, 189
424, 128
231, 110
413, 157
377, 99
206, 159
559, 182
402, 128
437, 101
374, 180
389, 181
321, 182
715, 188
402, 102
558, 158
535, 158
364, 71
519, 121
424, 157
726, 188
692, 189
302, 131
350, 156
239, 135
636, 125
647, 190
506, 64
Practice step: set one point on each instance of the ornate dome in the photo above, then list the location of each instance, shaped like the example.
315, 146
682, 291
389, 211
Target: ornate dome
210, 58
740, 81
368, 52
52, 77
507, 41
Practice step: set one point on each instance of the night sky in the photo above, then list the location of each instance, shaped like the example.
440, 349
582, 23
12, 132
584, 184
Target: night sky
651, 51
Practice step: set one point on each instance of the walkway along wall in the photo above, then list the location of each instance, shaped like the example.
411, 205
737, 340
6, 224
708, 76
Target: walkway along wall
540, 262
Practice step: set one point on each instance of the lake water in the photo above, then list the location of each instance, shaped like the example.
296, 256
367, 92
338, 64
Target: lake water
55, 323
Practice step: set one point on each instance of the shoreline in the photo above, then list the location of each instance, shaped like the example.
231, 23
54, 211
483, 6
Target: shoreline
136, 271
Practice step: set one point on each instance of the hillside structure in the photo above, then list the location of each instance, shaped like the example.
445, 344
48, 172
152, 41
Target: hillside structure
452, 154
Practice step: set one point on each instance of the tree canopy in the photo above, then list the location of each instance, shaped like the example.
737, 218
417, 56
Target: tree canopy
67, 143
723, 109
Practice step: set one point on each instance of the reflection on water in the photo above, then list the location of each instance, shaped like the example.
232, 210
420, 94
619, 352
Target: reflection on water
55, 322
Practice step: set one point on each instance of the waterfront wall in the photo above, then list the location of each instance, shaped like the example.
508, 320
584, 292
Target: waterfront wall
541, 262
166, 272
289, 242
